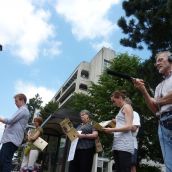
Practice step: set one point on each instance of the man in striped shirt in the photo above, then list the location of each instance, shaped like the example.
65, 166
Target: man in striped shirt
13, 133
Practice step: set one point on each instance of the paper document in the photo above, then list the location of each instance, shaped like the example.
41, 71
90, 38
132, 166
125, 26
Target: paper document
68, 129
40, 143
103, 124
73, 148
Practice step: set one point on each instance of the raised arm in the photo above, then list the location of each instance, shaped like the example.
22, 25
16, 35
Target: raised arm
16, 117
150, 101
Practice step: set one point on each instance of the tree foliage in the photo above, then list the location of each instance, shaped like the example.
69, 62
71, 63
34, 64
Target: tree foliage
149, 22
49, 109
34, 103
98, 102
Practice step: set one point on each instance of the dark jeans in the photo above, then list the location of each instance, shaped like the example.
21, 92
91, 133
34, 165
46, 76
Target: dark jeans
122, 161
134, 158
6, 154
83, 160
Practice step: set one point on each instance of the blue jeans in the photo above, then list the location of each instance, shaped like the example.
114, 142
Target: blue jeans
6, 154
165, 138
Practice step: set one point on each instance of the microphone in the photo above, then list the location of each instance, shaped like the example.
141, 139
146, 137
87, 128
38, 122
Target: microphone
119, 74
128, 77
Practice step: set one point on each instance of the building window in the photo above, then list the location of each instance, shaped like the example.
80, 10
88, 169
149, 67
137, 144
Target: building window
84, 74
70, 81
57, 96
83, 87
106, 64
69, 91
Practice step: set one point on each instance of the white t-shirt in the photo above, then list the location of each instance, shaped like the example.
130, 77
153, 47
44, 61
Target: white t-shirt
136, 122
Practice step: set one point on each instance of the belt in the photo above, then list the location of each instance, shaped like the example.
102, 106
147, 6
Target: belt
166, 114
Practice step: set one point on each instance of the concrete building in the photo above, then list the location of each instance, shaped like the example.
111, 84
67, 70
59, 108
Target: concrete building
84, 74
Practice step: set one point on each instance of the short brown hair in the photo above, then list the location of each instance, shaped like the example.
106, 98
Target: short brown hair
38, 119
119, 93
21, 96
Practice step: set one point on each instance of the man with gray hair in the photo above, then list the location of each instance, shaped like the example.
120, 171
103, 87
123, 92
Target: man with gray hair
161, 104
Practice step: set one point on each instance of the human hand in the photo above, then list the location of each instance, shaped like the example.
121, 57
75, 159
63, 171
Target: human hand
80, 136
114, 120
1, 120
139, 83
108, 130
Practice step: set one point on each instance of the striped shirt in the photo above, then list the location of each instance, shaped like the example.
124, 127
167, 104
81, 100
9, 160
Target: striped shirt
123, 141
85, 143
15, 127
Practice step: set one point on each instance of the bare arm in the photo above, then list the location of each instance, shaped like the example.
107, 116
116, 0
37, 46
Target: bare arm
128, 111
34, 136
165, 100
93, 135
134, 128
150, 101
114, 120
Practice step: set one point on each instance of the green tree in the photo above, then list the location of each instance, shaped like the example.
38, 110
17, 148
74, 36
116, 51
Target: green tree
79, 102
149, 22
49, 109
34, 103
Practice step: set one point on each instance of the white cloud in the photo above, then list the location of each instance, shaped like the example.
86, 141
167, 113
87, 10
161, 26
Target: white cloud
24, 28
89, 18
53, 49
30, 90
98, 46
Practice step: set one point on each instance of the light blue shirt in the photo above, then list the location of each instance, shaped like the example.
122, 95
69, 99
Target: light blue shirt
15, 127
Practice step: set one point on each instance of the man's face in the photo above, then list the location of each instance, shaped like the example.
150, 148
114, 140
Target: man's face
162, 63
19, 102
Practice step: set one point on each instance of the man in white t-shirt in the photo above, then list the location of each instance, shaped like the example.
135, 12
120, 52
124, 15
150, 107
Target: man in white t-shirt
135, 130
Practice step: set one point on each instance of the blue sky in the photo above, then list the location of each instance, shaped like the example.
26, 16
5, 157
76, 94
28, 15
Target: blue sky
43, 41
